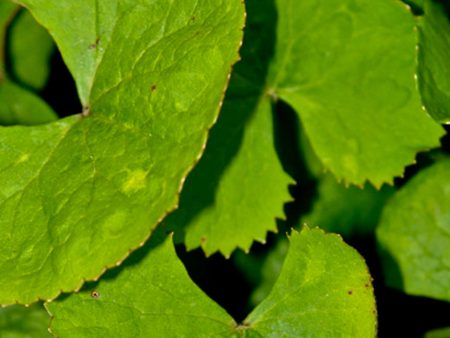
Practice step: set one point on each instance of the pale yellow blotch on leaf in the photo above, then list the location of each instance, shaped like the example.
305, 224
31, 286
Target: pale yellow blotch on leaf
23, 158
136, 180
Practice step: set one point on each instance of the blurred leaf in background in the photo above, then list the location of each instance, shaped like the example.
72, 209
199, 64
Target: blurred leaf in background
414, 234
18, 321
30, 47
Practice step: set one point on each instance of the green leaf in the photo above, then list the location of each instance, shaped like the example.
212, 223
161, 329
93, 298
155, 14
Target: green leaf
151, 297
434, 65
18, 321
324, 290
238, 189
414, 234
250, 193
104, 179
17, 105
347, 68
349, 211
270, 270
438, 333
327, 288
314, 167
31, 48
20, 106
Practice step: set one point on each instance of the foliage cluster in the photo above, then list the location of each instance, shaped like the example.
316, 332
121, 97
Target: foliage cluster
214, 126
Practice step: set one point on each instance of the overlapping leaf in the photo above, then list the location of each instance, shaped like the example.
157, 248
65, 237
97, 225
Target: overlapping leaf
151, 76
434, 59
237, 190
324, 290
414, 234
347, 68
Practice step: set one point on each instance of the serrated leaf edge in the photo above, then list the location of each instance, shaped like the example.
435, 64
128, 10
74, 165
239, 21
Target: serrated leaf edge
167, 211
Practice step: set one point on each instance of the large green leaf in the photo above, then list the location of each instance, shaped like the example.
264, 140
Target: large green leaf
324, 290
349, 211
414, 234
30, 47
347, 68
434, 66
18, 321
151, 75
153, 297
234, 194
327, 288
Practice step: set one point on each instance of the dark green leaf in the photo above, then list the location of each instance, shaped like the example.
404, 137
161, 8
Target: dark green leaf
414, 234
30, 47
350, 211
434, 66
19, 106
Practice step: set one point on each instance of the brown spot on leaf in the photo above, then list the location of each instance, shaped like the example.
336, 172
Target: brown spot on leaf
350, 292
95, 44
203, 240
193, 18
95, 294
153, 87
